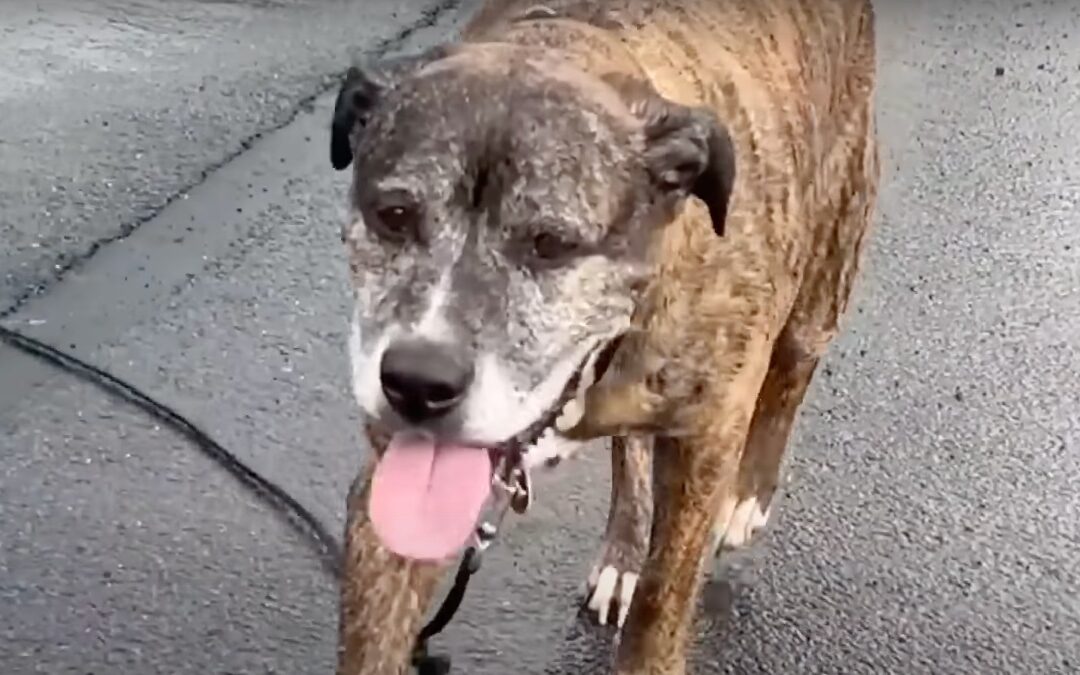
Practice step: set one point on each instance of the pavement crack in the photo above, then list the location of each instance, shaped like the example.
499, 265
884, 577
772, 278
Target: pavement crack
66, 262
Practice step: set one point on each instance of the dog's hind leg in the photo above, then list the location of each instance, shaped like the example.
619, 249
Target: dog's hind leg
848, 200
383, 597
626, 541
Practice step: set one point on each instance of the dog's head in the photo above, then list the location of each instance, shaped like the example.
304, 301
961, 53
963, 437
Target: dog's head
502, 206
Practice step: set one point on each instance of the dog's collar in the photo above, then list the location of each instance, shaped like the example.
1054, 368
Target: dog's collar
512, 489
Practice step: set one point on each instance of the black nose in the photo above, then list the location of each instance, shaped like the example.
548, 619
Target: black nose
423, 380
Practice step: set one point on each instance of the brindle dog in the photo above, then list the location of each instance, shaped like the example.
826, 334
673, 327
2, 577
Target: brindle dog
664, 199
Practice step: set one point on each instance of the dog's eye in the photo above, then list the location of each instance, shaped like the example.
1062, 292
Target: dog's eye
398, 222
395, 217
547, 246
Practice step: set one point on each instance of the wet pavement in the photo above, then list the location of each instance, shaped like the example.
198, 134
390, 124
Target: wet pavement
930, 518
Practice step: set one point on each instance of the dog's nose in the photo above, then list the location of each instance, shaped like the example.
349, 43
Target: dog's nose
424, 380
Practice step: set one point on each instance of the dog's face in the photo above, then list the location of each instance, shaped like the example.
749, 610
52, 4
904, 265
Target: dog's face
502, 206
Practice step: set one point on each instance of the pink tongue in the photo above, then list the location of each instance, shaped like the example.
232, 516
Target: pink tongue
426, 499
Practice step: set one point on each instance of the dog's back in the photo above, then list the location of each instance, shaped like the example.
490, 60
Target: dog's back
796, 59
803, 47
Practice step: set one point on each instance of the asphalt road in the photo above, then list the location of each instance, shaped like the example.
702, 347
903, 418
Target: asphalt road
931, 520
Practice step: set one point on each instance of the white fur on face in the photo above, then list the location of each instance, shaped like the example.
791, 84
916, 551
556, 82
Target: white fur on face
495, 409
366, 384
433, 325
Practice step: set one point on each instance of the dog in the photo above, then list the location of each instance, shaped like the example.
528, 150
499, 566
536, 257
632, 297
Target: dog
637, 219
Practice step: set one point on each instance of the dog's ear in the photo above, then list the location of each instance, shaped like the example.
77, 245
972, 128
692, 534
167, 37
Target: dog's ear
688, 151
360, 92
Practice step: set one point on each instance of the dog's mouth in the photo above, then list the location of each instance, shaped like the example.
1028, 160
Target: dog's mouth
569, 408
427, 496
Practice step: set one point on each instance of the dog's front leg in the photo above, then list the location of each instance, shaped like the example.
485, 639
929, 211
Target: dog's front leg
692, 475
626, 541
383, 597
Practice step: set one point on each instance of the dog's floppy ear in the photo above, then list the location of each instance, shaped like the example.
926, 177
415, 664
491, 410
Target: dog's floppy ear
689, 152
358, 94
362, 89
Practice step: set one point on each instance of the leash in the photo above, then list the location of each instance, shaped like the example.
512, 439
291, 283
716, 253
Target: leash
303, 521
510, 484
512, 489
423, 661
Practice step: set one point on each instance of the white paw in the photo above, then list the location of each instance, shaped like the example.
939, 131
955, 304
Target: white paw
738, 522
609, 586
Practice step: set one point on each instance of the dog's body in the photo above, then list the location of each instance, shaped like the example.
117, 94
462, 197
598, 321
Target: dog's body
726, 302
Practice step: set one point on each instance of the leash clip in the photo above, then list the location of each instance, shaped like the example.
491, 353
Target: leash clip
513, 490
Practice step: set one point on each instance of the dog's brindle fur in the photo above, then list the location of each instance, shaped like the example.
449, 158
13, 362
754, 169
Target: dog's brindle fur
729, 328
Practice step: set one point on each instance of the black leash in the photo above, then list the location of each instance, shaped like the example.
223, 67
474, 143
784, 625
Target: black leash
299, 517
435, 664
